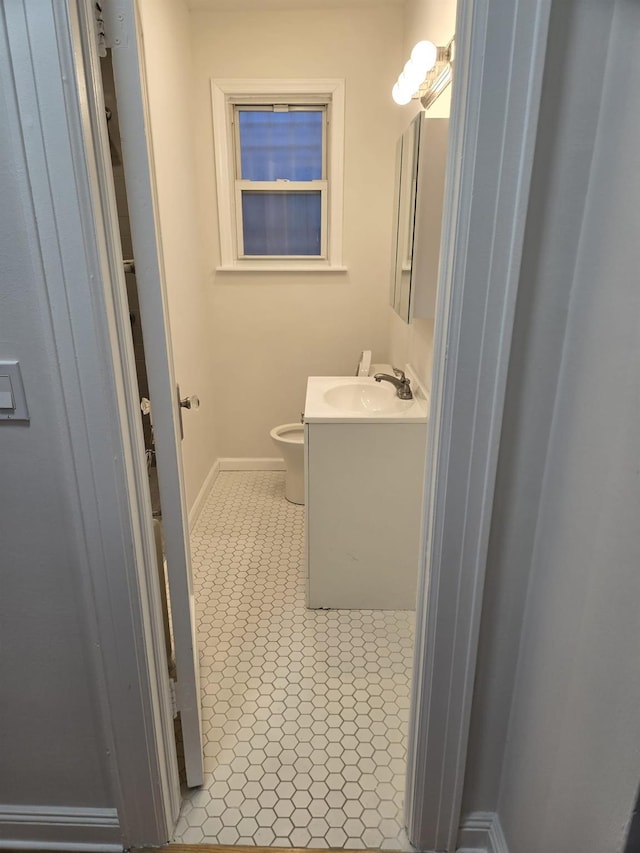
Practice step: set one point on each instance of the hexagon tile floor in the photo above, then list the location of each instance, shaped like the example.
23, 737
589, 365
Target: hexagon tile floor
305, 711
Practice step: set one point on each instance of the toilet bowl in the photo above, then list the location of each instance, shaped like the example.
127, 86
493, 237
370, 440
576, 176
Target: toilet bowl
289, 439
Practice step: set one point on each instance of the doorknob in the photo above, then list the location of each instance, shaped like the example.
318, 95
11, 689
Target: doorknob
192, 402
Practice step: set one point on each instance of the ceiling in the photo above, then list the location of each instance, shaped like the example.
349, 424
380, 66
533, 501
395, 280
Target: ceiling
286, 4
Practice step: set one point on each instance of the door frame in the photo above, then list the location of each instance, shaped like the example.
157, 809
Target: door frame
127, 56
78, 249
499, 68
147, 621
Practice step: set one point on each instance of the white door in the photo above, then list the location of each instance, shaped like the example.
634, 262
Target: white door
132, 113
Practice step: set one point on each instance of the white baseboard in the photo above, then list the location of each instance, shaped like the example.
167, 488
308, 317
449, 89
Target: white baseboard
59, 828
198, 504
248, 463
481, 832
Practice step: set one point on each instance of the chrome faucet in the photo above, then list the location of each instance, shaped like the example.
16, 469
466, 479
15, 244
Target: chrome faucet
400, 381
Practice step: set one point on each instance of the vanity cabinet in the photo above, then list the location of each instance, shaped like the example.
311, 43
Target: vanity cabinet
421, 161
364, 486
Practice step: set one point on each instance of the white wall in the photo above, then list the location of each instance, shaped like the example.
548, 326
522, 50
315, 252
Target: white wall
168, 65
573, 757
434, 21
51, 744
271, 331
555, 734
576, 55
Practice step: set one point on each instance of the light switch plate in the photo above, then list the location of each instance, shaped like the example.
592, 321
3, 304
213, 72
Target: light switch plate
13, 403
6, 393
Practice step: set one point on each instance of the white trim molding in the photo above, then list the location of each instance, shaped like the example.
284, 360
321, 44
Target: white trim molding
59, 828
494, 118
250, 463
481, 832
333, 92
203, 494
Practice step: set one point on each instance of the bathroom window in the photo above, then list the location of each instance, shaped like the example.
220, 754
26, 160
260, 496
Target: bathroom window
280, 180
278, 148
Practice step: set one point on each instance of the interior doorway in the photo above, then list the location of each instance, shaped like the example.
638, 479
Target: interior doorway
305, 713
330, 767
450, 661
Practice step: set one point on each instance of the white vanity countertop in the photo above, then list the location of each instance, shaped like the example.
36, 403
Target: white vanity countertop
351, 399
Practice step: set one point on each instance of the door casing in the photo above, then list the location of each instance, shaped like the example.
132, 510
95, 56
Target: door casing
500, 52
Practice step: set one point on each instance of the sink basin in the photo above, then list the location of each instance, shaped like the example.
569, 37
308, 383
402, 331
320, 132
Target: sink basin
365, 396
360, 399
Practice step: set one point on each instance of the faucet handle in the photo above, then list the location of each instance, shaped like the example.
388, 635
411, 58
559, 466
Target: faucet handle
400, 374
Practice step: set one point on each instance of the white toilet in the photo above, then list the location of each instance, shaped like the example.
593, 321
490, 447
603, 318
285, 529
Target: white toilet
289, 439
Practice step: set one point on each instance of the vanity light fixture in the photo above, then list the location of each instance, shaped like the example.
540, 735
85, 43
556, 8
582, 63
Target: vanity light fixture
425, 75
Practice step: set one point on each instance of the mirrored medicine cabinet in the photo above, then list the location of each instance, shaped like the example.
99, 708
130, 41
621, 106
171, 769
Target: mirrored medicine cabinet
421, 159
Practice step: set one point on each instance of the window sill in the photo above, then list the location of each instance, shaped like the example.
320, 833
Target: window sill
266, 266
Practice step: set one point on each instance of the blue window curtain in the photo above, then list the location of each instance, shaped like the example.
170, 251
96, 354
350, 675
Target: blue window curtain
281, 145
282, 223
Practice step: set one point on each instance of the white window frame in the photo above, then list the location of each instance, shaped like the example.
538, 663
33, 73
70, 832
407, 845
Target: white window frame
228, 93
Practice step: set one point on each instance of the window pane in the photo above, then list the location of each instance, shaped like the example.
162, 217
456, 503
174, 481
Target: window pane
281, 223
280, 146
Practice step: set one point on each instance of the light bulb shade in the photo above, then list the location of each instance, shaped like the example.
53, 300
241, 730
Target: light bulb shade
407, 86
400, 95
413, 75
424, 56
